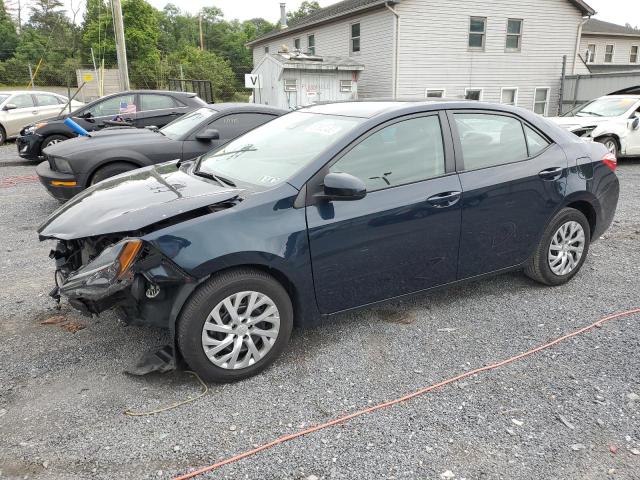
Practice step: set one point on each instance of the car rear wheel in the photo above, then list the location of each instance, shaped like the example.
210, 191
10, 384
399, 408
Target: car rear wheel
562, 249
111, 170
611, 144
3, 135
52, 140
235, 325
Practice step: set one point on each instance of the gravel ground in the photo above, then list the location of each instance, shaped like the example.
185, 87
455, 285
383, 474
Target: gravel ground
572, 412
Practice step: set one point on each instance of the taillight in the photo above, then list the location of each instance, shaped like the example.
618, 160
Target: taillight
610, 161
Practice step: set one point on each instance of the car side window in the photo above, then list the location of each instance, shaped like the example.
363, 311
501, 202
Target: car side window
46, 100
404, 152
22, 101
535, 141
114, 106
156, 102
489, 140
234, 125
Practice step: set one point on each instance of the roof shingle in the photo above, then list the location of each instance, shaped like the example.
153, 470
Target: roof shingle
596, 26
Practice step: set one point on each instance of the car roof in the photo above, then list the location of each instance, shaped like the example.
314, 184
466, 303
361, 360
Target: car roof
256, 107
637, 97
22, 92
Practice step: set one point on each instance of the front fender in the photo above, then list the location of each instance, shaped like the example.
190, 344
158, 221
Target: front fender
616, 129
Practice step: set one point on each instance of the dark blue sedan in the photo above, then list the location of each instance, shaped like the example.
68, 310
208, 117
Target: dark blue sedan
327, 209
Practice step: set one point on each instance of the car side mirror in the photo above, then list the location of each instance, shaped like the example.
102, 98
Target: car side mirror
10, 106
635, 123
208, 135
343, 186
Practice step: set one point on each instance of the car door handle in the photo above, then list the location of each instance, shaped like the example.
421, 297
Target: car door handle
446, 199
551, 173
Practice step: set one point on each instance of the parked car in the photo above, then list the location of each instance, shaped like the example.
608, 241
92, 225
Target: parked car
20, 108
72, 166
138, 108
613, 120
327, 209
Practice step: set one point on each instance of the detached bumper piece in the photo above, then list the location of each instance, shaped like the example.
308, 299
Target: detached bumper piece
61, 186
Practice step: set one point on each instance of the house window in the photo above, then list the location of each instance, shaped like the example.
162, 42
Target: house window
296, 43
346, 86
608, 54
591, 53
266, 50
311, 44
435, 93
514, 35
509, 96
477, 31
541, 101
473, 94
355, 38
291, 85
633, 58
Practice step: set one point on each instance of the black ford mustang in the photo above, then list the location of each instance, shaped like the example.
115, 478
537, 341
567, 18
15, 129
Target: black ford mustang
72, 166
136, 108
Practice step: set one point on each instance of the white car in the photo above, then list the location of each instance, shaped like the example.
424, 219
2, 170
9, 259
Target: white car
20, 108
613, 120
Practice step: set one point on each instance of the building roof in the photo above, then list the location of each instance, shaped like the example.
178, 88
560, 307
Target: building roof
348, 7
598, 27
300, 61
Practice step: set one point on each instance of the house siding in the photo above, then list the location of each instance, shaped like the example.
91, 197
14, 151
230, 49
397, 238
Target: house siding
621, 52
376, 44
434, 48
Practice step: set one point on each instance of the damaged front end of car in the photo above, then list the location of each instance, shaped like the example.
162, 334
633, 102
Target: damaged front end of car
125, 273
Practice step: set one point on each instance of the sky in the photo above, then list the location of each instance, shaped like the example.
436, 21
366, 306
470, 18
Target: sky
616, 11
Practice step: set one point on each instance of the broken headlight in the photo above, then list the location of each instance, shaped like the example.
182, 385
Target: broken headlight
584, 131
105, 274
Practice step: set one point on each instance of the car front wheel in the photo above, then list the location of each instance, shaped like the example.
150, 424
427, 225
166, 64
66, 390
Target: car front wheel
53, 140
562, 249
235, 325
111, 170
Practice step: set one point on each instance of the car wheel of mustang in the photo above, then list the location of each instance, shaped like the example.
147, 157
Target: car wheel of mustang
52, 140
235, 325
611, 144
3, 136
562, 250
111, 170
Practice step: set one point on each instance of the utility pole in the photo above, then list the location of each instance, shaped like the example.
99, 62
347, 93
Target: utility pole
121, 48
201, 36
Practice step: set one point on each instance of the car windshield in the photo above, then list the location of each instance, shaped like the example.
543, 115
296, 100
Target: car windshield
604, 107
186, 123
3, 97
270, 154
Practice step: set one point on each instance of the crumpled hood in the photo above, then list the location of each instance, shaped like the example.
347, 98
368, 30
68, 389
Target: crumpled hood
571, 123
118, 137
133, 200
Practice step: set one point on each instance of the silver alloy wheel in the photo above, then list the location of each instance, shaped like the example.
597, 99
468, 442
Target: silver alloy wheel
53, 142
611, 146
566, 248
240, 330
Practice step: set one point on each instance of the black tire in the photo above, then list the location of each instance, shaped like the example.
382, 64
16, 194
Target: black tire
111, 170
202, 302
611, 143
52, 140
538, 267
3, 135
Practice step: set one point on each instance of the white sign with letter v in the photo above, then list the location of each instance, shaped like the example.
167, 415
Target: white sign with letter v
252, 81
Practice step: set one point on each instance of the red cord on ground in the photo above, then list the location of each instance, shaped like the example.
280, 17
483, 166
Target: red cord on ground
405, 398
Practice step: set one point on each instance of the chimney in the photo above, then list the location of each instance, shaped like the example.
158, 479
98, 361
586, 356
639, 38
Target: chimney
283, 15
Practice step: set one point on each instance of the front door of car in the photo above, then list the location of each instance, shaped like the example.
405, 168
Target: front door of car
229, 127
24, 113
119, 106
157, 109
633, 138
400, 238
513, 180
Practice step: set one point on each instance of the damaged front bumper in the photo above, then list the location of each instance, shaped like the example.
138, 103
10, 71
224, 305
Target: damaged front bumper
131, 276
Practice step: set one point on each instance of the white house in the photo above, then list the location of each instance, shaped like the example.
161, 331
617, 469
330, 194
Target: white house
494, 50
607, 47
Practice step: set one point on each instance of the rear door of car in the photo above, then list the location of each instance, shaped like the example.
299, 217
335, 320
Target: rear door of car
229, 127
158, 109
513, 180
48, 105
17, 118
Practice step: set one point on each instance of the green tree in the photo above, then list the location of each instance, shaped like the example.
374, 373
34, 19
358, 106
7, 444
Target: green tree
8, 35
306, 8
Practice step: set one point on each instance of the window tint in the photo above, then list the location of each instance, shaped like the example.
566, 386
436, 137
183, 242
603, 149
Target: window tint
232, 126
45, 100
489, 140
22, 101
114, 106
401, 153
536, 142
156, 102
